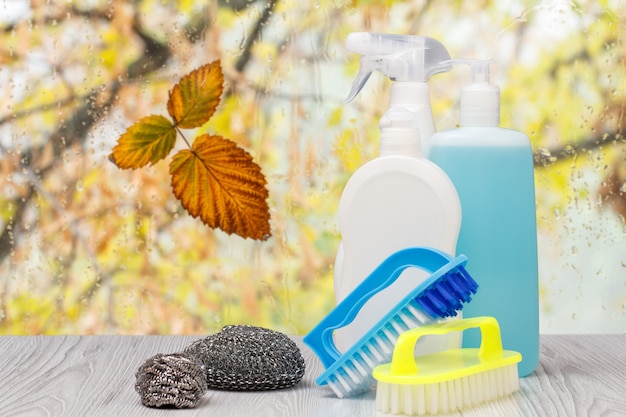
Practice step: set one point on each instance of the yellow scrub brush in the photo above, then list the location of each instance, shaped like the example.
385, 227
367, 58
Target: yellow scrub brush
446, 381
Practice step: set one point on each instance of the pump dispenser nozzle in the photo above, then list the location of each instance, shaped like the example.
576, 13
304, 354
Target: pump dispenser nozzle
400, 57
480, 100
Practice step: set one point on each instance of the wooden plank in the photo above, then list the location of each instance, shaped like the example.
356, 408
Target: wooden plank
75, 375
579, 375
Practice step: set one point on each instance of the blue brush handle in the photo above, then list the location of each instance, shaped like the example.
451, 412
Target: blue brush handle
320, 339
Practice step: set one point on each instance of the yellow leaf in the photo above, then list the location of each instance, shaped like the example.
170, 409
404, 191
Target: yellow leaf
219, 182
194, 99
146, 142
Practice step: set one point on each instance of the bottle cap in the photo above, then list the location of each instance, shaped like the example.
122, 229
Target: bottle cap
399, 135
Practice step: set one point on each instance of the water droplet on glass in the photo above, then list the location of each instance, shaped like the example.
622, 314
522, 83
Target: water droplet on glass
545, 156
79, 186
570, 150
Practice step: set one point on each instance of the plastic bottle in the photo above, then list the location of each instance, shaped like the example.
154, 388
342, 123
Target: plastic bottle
400, 199
492, 170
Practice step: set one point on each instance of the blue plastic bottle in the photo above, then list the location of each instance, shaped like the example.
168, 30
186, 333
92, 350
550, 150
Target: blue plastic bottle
492, 170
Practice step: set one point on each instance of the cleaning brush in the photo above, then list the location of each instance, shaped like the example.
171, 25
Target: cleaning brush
441, 295
447, 381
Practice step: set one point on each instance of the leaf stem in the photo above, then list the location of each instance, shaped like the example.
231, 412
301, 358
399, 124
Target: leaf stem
180, 132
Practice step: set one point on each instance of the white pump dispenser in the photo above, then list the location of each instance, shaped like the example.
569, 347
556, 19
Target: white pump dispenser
398, 200
408, 60
480, 100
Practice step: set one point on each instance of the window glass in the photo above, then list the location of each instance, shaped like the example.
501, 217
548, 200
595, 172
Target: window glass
87, 247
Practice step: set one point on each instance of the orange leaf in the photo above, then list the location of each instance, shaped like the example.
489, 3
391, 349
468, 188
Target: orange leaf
218, 182
146, 142
194, 99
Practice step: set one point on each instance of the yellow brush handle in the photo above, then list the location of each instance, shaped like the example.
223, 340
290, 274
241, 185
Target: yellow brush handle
403, 362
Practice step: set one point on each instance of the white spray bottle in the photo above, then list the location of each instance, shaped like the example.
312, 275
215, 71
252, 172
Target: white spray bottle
400, 199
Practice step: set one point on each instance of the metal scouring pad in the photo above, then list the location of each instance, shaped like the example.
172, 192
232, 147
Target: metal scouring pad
172, 380
249, 358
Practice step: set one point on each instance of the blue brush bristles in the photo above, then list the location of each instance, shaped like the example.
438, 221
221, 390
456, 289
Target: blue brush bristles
446, 296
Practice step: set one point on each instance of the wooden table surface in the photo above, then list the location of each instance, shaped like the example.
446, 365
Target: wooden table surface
92, 376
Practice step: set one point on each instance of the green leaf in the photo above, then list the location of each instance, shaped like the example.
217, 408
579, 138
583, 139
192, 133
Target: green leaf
146, 142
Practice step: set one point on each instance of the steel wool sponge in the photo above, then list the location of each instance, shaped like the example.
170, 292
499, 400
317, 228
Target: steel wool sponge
238, 358
177, 380
248, 358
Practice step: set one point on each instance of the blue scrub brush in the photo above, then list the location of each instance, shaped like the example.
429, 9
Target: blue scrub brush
441, 295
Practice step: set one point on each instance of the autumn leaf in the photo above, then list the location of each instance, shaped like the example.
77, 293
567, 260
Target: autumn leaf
146, 142
219, 182
194, 99
214, 179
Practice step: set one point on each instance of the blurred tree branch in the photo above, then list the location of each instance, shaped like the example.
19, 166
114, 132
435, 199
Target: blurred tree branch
254, 35
544, 157
74, 130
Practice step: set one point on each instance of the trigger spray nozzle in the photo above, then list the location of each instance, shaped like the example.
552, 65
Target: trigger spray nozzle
400, 57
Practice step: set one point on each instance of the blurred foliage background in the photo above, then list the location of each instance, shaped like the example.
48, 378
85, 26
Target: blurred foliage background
88, 248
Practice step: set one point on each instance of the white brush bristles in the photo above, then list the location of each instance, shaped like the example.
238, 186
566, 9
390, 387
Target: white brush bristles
354, 376
448, 396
